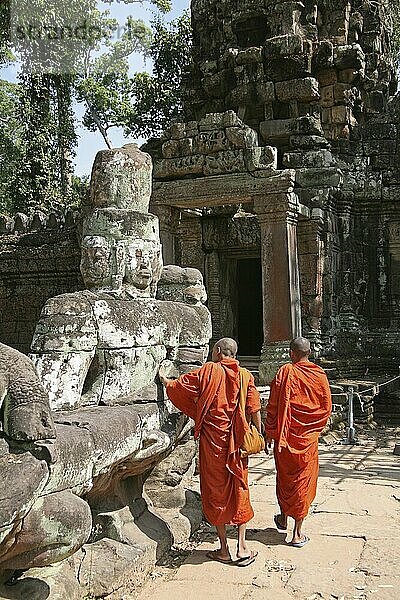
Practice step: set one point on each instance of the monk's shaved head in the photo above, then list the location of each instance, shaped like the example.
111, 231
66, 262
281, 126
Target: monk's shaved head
227, 347
300, 346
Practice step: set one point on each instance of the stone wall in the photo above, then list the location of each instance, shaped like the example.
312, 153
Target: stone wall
39, 259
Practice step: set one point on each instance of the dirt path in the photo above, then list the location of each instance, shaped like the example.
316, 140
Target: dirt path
353, 553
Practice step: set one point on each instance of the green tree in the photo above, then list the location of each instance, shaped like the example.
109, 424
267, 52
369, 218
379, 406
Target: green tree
145, 104
11, 145
157, 97
104, 86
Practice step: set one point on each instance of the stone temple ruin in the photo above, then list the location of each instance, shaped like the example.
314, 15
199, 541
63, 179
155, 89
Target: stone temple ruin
281, 191
282, 187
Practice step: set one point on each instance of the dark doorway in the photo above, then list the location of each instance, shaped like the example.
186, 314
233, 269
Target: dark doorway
250, 313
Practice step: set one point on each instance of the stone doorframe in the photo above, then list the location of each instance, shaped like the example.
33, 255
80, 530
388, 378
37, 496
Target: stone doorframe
278, 208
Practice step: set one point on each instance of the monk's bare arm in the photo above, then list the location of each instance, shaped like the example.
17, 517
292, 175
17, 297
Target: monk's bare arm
253, 405
256, 420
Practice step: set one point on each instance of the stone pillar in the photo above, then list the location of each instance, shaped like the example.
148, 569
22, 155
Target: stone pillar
311, 266
189, 241
278, 215
168, 218
394, 251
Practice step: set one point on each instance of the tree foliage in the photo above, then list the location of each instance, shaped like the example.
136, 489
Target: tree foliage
143, 105
37, 123
11, 146
157, 97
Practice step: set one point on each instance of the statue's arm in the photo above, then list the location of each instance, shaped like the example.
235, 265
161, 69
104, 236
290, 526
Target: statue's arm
63, 347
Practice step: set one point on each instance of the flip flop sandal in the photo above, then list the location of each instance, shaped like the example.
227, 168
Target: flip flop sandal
213, 556
300, 544
278, 524
246, 560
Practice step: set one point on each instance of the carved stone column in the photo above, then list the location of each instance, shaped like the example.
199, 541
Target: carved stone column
278, 214
168, 217
311, 267
394, 251
189, 241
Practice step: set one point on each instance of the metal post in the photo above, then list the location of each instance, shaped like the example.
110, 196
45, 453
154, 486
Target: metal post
351, 432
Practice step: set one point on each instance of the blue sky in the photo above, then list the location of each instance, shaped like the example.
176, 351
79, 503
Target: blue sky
89, 143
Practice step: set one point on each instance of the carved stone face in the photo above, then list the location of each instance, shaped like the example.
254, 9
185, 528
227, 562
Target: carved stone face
143, 266
96, 262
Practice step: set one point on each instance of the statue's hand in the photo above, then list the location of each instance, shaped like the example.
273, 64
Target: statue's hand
167, 371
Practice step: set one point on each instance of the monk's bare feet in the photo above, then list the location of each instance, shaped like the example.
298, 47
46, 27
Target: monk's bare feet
245, 557
220, 555
299, 541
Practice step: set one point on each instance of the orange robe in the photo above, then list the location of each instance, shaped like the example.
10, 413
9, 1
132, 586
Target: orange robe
298, 410
209, 395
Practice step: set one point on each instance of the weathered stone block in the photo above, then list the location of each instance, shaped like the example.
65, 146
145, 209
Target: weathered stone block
342, 92
218, 84
177, 131
303, 90
391, 194
242, 94
380, 147
265, 157
349, 57
209, 142
317, 158
328, 77
278, 129
327, 96
230, 161
378, 131
309, 125
343, 114
249, 56
211, 121
266, 90
323, 56
326, 115
179, 284
242, 137
230, 119
175, 148
284, 128
328, 177
179, 167
121, 178
284, 45
308, 142
348, 75
107, 564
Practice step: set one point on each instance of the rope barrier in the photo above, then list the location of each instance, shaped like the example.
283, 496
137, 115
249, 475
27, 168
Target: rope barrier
379, 385
351, 438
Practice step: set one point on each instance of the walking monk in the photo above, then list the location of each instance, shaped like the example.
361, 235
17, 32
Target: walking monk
210, 395
297, 412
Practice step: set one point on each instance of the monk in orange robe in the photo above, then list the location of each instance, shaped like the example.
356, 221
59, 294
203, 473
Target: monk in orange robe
210, 396
298, 410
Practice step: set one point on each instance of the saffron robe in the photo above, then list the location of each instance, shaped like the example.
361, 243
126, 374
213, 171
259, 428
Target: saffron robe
209, 395
298, 410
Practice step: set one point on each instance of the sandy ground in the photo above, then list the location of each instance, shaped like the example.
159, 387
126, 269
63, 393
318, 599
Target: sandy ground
354, 548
